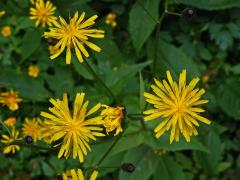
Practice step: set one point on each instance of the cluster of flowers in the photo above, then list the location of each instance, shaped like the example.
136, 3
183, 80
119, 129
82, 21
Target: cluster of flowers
175, 102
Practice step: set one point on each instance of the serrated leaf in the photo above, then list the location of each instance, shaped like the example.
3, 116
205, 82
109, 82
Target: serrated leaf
29, 88
171, 58
228, 97
163, 143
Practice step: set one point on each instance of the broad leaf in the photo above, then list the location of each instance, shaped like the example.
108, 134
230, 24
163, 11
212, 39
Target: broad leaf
141, 24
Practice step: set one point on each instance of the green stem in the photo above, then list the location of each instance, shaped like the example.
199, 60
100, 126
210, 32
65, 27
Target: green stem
108, 151
173, 13
100, 80
5, 127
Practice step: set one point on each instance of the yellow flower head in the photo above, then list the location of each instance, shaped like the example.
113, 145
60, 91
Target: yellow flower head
10, 99
43, 13
31, 127
2, 13
8, 140
112, 117
176, 104
6, 31
111, 19
78, 175
74, 34
11, 121
45, 131
33, 71
33, 1
52, 50
75, 128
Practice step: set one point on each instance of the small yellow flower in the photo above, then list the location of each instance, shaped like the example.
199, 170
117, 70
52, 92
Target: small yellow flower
8, 140
6, 31
74, 35
52, 50
32, 128
111, 19
43, 13
10, 99
74, 127
11, 121
78, 175
205, 79
33, 71
177, 104
112, 117
2, 13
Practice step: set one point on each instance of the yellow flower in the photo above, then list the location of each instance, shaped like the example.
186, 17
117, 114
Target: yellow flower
73, 127
112, 117
8, 140
45, 130
177, 105
2, 13
205, 78
32, 128
10, 99
6, 31
78, 175
33, 1
33, 71
111, 19
43, 13
52, 50
11, 121
74, 35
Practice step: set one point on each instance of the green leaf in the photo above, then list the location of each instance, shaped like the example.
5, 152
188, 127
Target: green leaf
141, 25
31, 41
123, 73
168, 169
209, 5
81, 69
29, 88
47, 170
144, 161
210, 161
163, 143
175, 60
228, 97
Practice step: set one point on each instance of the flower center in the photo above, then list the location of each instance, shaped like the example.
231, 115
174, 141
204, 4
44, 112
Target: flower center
10, 99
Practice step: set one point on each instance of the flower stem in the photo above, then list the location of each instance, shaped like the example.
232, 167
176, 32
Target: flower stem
108, 151
96, 76
5, 127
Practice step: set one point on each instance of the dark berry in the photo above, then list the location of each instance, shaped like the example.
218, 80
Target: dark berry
188, 13
28, 139
128, 167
